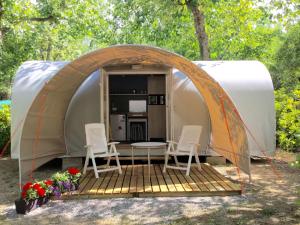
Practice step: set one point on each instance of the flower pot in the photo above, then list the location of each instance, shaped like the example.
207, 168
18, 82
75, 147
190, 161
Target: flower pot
43, 200
75, 186
23, 207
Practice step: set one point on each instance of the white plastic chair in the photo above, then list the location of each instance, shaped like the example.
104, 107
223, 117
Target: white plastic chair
187, 146
97, 147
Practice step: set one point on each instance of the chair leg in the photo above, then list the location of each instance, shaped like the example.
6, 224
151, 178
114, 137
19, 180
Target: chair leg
95, 167
176, 160
197, 160
86, 163
189, 165
166, 163
118, 163
108, 161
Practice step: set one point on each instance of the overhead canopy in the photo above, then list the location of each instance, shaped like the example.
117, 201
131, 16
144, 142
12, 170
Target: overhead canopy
43, 133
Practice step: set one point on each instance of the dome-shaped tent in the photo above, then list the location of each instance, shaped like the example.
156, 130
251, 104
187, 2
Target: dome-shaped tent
51, 101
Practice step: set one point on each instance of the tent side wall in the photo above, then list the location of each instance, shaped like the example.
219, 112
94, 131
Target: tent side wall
249, 85
189, 108
83, 108
29, 80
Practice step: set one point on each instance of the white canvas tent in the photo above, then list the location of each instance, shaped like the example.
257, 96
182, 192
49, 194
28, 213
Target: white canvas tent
51, 102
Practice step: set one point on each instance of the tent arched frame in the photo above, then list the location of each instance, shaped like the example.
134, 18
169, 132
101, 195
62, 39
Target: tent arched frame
43, 132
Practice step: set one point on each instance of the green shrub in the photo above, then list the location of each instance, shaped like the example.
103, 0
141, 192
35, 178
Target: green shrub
287, 106
296, 163
4, 126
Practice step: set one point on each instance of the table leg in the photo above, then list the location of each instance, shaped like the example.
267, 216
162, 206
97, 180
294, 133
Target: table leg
132, 160
149, 163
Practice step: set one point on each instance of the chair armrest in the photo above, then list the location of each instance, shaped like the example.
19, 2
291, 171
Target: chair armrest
171, 147
87, 146
113, 143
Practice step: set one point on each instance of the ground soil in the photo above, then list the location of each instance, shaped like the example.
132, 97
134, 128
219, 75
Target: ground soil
270, 199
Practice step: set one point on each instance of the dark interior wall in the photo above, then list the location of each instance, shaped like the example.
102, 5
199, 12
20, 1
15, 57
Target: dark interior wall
128, 84
124, 88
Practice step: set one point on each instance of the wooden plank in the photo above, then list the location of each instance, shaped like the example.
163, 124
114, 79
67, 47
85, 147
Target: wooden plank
147, 181
190, 181
121, 158
206, 182
152, 171
102, 187
203, 179
84, 176
210, 179
154, 182
175, 181
85, 180
94, 188
198, 182
182, 180
162, 184
112, 182
88, 186
178, 185
216, 178
119, 182
189, 194
133, 180
140, 179
126, 181
171, 171
234, 186
168, 180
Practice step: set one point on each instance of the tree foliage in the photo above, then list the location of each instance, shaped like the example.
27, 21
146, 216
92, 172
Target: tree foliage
4, 125
262, 30
153, 23
287, 106
47, 30
286, 65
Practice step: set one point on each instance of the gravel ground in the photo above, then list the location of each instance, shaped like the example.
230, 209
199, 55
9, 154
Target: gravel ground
269, 200
124, 211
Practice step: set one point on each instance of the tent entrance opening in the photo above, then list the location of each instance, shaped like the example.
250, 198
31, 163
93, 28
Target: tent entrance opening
136, 107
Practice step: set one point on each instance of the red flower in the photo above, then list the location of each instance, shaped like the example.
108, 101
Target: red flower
48, 182
41, 192
73, 171
27, 186
24, 194
36, 186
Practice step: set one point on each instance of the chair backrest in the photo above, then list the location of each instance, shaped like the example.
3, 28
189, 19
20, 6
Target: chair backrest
95, 136
190, 135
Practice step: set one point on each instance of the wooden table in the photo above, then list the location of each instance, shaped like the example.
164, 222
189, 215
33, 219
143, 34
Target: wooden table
148, 146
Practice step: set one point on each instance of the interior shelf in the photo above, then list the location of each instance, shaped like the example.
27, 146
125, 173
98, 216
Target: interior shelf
130, 94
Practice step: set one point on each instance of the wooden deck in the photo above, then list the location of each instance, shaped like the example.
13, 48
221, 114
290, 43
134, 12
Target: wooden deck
135, 182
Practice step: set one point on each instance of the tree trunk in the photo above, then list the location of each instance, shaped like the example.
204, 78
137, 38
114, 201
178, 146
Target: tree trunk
199, 23
49, 49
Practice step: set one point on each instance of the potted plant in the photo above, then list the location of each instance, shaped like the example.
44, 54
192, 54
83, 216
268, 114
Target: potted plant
47, 185
33, 195
74, 176
61, 182
66, 181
